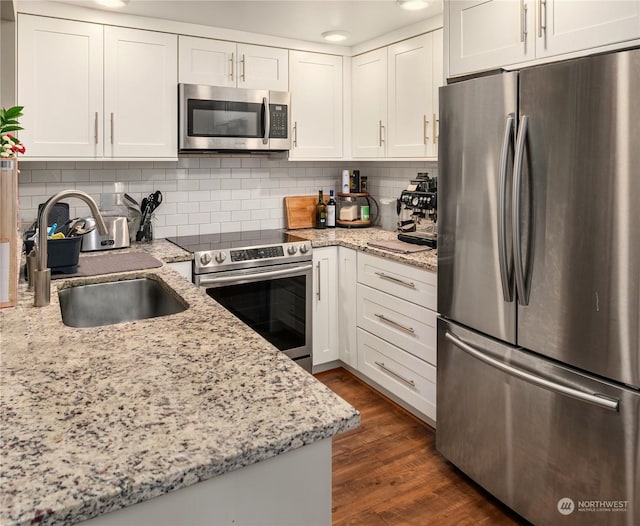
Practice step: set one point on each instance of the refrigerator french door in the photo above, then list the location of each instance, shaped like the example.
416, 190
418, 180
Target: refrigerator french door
539, 287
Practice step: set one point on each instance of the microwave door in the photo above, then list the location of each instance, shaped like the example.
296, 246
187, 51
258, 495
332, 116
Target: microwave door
215, 118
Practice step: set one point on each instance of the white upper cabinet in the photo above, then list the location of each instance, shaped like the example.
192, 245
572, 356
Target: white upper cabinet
369, 104
566, 26
60, 64
484, 34
488, 34
316, 105
221, 63
206, 61
261, 67
140, 93
395, 99
411, 115
96, 92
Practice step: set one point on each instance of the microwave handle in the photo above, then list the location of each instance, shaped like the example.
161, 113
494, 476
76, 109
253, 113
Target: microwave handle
267, 121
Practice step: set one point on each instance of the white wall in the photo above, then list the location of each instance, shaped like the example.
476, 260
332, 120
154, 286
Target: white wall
206, 194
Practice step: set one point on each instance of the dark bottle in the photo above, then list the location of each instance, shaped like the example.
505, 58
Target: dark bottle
331, 211
321, 212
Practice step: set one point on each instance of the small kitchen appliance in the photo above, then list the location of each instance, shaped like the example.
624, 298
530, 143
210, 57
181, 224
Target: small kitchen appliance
262, 277
417, 209
221, 119
118, 236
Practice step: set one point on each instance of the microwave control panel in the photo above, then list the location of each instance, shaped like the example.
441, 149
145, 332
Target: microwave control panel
279, 121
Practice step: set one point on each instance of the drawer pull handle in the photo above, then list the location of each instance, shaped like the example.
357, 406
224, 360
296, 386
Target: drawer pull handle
395, 324
409, 284
398, 376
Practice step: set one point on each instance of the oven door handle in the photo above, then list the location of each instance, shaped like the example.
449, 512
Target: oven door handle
254, 276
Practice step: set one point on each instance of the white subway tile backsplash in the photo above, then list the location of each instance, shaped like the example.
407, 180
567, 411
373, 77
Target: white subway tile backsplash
207, 194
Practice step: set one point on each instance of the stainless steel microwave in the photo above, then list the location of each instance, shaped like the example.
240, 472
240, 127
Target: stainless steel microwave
213, 118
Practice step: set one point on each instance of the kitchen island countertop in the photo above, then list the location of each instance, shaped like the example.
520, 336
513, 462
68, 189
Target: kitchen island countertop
98, 419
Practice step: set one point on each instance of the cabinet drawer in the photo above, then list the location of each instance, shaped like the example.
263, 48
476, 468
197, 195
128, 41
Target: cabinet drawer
403, 281
399, 322
410, 379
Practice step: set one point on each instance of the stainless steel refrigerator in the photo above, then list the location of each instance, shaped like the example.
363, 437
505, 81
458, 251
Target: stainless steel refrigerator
538, 386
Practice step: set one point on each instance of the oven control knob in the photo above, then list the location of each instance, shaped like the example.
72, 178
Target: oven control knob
304, 249
220, 257
292, 250
205, 259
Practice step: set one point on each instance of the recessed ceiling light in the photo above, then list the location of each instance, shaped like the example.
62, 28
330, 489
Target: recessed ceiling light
112, 3
412, 5
335, 36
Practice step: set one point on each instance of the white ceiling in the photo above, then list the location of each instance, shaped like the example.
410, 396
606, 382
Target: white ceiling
296, 19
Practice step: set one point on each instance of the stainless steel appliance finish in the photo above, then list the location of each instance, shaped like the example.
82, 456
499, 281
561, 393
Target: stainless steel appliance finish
469, 278
264, 278
117, 236
539, 287
214, 118
99, 304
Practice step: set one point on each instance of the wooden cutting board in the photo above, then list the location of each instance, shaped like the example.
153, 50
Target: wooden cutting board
301, 210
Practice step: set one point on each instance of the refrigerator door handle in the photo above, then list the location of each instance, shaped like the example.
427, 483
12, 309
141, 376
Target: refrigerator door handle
502, 211
523, 293
602, 401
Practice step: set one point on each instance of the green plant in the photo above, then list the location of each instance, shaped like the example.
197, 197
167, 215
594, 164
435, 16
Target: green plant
9, 119
10, 146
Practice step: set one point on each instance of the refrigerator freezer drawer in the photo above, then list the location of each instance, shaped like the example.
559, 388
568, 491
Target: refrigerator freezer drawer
399, 322
517, 424
401, 373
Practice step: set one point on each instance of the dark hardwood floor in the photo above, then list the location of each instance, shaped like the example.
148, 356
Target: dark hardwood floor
388, 472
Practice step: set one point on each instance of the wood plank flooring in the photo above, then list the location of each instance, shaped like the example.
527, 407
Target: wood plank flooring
388, 472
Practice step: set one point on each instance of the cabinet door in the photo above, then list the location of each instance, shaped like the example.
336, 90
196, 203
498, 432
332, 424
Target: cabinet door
369, 103
261, 67
347, 283
60, 85
316, 105
207, 61
140, 93
410, 105
437, 81
572, 26
486, 34
325, 305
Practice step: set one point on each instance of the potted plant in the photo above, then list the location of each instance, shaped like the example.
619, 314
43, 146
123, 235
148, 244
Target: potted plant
10, 145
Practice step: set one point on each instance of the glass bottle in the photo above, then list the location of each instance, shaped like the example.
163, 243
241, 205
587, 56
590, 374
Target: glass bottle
321, 212
331, 211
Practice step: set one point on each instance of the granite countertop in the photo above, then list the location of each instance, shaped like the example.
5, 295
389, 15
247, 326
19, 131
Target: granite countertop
359, 239
97, 419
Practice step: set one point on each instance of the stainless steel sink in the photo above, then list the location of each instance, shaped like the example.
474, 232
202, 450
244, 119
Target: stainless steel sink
98, 304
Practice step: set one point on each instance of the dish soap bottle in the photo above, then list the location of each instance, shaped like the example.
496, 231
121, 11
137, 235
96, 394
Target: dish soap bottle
321, 212
331, 211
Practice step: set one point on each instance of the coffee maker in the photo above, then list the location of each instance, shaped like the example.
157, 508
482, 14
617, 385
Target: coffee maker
417, 209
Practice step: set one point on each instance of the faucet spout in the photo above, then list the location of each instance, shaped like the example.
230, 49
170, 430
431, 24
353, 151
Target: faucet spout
42, 275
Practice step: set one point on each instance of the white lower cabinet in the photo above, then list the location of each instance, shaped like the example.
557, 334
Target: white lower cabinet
396, 332
347, 286
183, 268
325, 305
409, 378
405, 324
377, 317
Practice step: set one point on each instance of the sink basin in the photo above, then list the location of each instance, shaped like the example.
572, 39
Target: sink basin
98, 304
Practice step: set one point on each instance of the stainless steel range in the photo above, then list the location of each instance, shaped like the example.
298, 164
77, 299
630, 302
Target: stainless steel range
264, 278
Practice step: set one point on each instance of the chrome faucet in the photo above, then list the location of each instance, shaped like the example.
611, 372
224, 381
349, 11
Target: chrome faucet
42, 274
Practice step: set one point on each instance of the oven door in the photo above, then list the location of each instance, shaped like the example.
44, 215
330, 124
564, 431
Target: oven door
275, 301
215, 118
